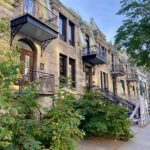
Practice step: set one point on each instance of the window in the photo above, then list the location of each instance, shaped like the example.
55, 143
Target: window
101, 77
123, 87
133, 90
62, 27
100, 48
63, 65
142, 88
126, 68
29, 6
87, 41
103, 51
72, 71
112, 61
71, 33
104, 81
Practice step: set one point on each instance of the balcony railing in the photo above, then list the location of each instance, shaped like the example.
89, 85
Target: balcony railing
94, 55
131, 77
36, 9
118, 70
35, 20
45, 83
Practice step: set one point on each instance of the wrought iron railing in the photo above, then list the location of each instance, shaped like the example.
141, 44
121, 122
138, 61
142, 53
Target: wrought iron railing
132, 76
37, 9
110, 95
95, 50
45, 83
114, 98
118, 68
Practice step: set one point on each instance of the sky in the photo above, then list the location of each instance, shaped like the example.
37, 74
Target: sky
103, 12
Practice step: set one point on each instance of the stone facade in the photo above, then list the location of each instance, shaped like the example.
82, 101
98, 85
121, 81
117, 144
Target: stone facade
94, 75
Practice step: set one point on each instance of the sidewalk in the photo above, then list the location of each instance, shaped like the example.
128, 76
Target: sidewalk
141, 141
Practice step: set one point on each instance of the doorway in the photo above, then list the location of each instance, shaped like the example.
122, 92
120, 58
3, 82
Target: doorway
114, 86
88, 78
28, 61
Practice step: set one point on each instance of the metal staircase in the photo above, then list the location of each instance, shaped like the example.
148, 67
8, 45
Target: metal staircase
118, 100
133, 109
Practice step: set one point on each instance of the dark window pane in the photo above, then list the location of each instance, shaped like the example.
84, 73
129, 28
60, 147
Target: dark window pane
63, 65
87, 44
62, 27
72, 71
71, 33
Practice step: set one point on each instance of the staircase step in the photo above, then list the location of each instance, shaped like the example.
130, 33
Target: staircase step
135, 121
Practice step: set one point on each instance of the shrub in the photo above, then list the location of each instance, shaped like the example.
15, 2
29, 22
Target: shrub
18, 123
20, 129
61, 124
103, 118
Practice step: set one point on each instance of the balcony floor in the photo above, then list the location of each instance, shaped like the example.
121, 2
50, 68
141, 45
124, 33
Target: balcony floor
34, 28
132, 79
117, 73
93, 59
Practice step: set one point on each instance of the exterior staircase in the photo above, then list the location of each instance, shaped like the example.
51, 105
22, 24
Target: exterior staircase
133, 109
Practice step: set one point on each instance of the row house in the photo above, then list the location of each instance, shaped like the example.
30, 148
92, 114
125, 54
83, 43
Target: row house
56, 42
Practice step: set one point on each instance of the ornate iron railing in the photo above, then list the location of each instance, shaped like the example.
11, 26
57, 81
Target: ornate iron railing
45, 83
132, 76
94, 50
127, 104
37, 9
108, 95
118, 68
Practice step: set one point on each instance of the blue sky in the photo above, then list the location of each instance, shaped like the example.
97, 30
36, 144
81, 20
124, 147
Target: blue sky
103, 12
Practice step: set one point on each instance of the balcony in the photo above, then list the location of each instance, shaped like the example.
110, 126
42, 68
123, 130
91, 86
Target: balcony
34, 20
117, 70
94, 55
45, 83
132, 77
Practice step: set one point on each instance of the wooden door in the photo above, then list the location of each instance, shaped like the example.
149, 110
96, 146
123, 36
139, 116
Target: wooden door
114, 86
27, 59
88, 77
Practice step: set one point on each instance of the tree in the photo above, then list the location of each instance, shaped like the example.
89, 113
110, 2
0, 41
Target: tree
134, 34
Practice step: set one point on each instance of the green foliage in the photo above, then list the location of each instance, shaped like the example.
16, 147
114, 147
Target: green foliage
4, 27
103, 118
65, 82
61, 124
18, 123
9, 69
134, 34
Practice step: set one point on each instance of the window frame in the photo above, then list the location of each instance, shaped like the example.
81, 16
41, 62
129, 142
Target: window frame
63, 59
63, 33
87, 41
72, 63
71, 33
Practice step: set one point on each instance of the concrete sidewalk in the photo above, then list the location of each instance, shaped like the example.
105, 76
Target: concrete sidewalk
141, 141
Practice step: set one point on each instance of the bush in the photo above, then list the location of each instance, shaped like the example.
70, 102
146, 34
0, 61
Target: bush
20, 129
18, 124
103, 118
61, 124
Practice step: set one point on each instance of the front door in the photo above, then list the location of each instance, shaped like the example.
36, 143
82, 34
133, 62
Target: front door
114, 87
27, 59
88, 78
